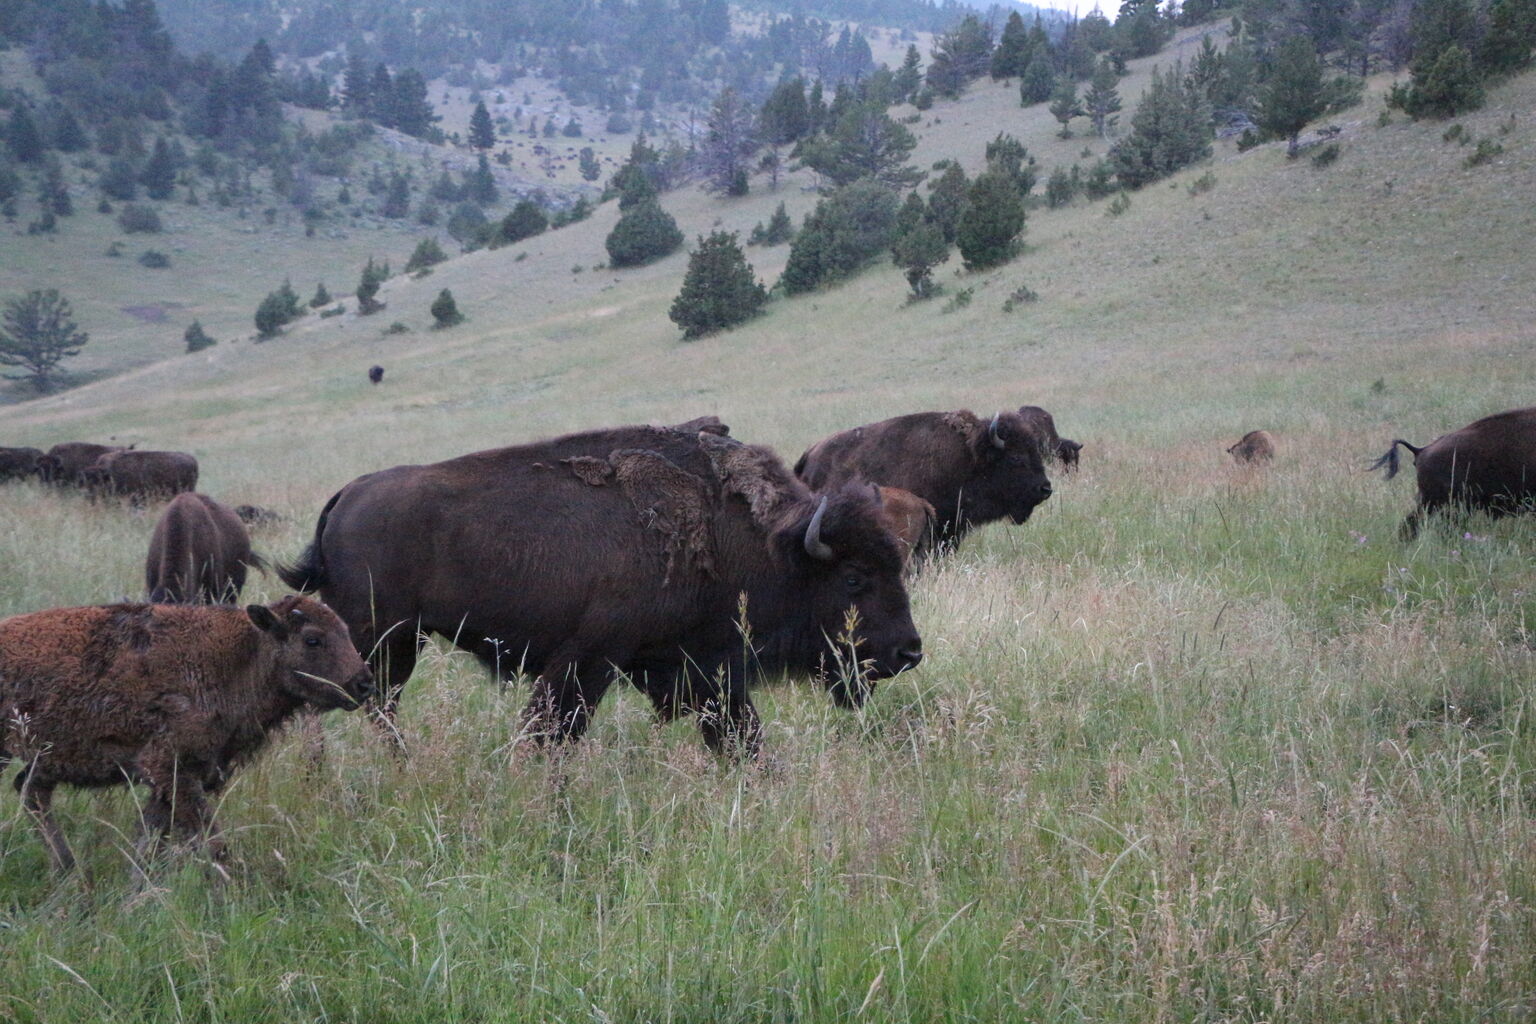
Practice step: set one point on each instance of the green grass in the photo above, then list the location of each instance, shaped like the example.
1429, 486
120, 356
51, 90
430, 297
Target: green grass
1199, 742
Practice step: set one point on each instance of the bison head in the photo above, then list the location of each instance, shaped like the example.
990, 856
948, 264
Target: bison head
848, 570
1008, 478
319, 664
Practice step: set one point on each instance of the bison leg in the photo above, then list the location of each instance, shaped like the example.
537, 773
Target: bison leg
37, 798
564, 696
177, 805
728, 720
393, 660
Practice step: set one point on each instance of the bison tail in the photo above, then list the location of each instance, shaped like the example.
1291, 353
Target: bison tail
308, 573
1389, 460
258, 563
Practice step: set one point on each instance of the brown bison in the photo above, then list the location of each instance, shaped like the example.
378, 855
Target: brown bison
174, 697
1488, 465
198, 554
1053, 447
18, 463
1256, 446
255, 515
970, 470
375, 374
66, 463
684, 560
139, 475
909, 518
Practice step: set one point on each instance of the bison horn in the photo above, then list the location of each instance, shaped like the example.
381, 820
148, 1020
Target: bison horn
997, 440
814, 545
297, 615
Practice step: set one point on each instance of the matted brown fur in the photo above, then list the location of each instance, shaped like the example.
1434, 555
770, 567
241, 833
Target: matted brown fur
198, 553
1255, 446
172, 696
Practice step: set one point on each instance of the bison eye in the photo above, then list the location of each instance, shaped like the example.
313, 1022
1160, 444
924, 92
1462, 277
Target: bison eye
854, 582
311, 641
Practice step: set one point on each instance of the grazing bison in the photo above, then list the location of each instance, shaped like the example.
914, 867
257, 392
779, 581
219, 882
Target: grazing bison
18, 463
66, 463
255, 515
1256, 446
909, 518
1488, 465
1052, 445
970, 470
198, 553
139, 475
685, 560
171, 696
375, 374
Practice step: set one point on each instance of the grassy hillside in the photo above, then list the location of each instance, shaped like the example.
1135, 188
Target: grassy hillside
1196, 742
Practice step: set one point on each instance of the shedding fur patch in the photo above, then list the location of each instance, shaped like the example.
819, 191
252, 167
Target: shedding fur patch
673, 502
964, 423
588, 470
756, 474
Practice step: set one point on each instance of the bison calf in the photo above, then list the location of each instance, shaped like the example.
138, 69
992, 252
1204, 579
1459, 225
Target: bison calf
1256, 446
170, 696
198, 554
909, 519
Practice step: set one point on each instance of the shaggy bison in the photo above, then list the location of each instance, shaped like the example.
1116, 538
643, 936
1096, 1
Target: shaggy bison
198, 554
139, 475
1256, 446
1053, 447
174, 697
683, 559
66, 463
1488, 465
18, 463
970, 470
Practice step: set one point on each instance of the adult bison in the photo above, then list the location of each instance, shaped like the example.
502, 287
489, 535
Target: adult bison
198, 553
65, 463
1053, 447
173, 697
139, 475
1255, 446
1488, 465
18, 463
683, 559
972, 471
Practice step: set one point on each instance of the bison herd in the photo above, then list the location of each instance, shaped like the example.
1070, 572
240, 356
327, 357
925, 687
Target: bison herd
676, 559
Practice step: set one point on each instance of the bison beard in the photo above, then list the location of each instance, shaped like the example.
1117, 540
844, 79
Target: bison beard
678, 558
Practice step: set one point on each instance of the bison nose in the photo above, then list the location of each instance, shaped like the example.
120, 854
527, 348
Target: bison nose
1045, 489
363, 683
909, 656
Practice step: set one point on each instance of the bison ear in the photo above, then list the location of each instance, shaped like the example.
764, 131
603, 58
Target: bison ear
266, 621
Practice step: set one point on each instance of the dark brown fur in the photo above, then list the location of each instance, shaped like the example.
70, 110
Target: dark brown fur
1489, 465
140, 475
375, 374
1053, 447
174, 697
65, 464
18, 463
198, 554
949, 459
1256, 446
628, 550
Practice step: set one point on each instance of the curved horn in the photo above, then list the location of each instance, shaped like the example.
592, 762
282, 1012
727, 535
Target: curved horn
874, 490
814, 545
997, 442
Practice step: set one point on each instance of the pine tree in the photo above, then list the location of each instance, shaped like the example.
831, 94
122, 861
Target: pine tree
120, 179
53, 192
917, 251
1102, 101
381, 96
428, 253
960, 56
1170, 130
481, 184
357, 87
785, 117
525, 220
397, 203
728, 142
445, 312
1038, 81
845, 231
374, 274
1449, 86
779, 230
719, 290
1507, 45
159, 174
864, 143
909, 77
196, 338
948, 201
645, 233
25, 141
412, 112
37, 333
1064, 105
482, 134
69, 135
591, 170
321, 296
990, 226
1013, 52
1294, 95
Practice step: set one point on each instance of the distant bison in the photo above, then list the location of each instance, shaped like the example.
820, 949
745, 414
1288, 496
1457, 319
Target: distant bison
66, 463
909, 518
972, 471
174, 697
198, 554
139, 475
18, 463
255, 515
1256, 446
686, 561
375, 374
1053, 447
1488, 465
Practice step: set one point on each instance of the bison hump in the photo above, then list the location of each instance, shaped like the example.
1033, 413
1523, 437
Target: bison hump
755, 474
671, 501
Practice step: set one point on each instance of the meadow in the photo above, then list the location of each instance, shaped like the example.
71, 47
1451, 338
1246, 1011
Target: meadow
1198, 742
